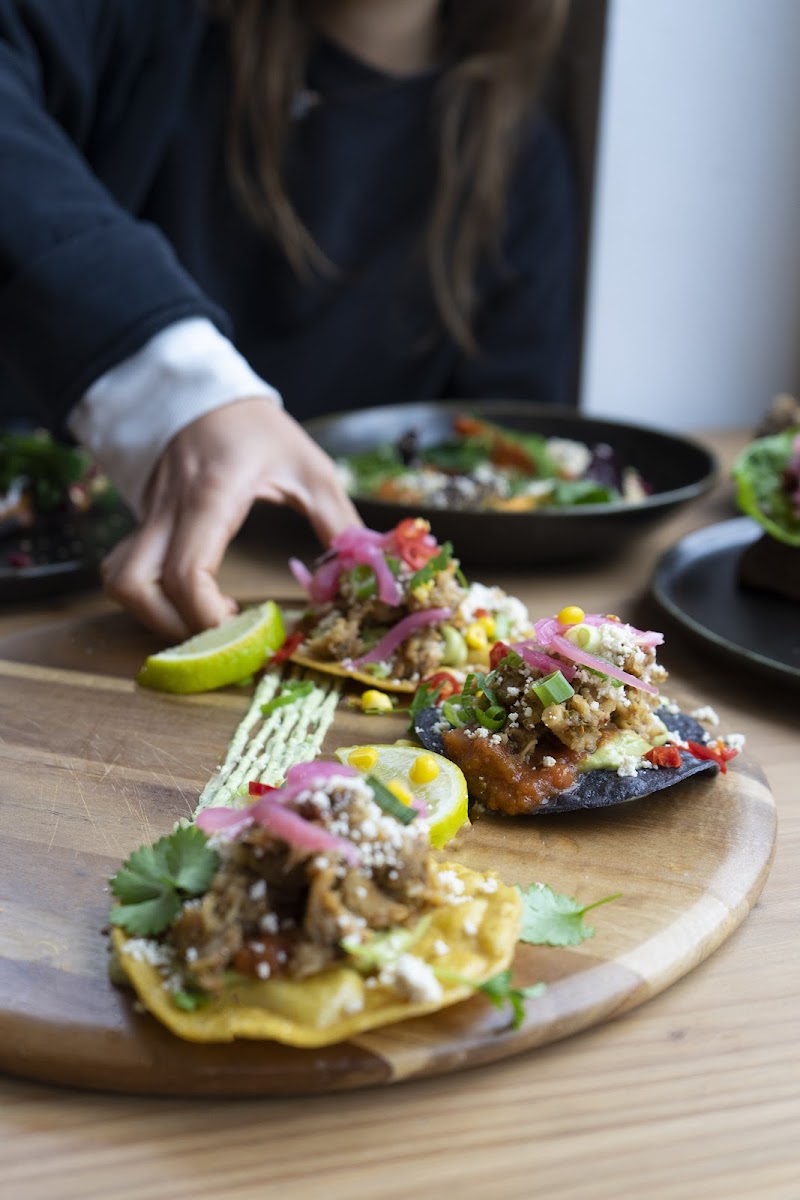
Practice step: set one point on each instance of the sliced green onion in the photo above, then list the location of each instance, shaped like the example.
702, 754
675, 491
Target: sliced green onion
493, 718
363, 581
457, 712
389, 803
553, 689
584, 636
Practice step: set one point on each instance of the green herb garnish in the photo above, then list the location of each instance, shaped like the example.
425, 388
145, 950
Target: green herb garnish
552, 689
551, 919
190, 1001
499, 990
388, 802
437, 563
291, 691
155, 880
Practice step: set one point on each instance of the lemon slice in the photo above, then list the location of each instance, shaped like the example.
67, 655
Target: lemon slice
410, 771
216, 657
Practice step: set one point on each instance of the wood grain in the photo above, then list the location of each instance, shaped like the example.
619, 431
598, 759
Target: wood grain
96, 766
694, 1094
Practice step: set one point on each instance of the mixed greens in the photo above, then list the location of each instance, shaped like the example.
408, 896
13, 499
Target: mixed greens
767, 476
487, 466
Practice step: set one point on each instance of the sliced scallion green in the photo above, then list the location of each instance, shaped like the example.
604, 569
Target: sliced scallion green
552, 689
493, 718
584, 636
388, 802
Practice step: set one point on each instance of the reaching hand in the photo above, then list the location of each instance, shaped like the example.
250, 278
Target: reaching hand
200, 492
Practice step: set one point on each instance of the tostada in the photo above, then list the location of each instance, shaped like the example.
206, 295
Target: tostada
570, 718
395, 607
312, 915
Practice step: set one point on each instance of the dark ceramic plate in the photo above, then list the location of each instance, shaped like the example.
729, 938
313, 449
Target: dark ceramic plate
696, 584
60, 555
678, 470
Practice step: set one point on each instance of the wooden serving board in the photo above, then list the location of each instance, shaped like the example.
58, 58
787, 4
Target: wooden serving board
91, 767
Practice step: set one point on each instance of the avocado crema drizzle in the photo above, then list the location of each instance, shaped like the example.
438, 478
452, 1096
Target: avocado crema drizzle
285, 724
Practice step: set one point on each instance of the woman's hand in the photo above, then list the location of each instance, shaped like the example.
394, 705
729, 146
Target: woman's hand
200, 492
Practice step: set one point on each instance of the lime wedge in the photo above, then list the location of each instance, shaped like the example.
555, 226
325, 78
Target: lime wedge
402, 767
216, 657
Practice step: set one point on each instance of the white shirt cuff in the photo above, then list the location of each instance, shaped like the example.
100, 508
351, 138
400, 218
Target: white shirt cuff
129, 415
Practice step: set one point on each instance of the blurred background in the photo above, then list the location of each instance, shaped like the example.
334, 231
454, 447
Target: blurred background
684, 116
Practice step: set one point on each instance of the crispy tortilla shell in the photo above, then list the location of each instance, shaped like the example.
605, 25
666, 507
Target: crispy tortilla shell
600, 788
334, 1005
337, 668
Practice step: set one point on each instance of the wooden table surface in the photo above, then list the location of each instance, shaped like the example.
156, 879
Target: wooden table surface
692, 1096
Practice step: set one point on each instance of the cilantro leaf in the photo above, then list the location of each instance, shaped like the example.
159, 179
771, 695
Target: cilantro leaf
154, 881
499, 990
147, 917
190, 1001
552, 919
190, 861
437, 563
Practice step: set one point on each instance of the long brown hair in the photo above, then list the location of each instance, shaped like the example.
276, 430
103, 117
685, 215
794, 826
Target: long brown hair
494, 55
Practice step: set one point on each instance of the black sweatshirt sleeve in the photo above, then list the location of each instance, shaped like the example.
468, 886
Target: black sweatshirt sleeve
83, 284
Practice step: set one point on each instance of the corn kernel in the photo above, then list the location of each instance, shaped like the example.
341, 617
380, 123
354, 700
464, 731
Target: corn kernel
377, 701
571, 615
400, 791
487, 622
476, 637
363, 759
424, 769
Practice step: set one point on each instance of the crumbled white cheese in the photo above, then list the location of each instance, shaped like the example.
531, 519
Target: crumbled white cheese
628, 765
412, 978
706, 714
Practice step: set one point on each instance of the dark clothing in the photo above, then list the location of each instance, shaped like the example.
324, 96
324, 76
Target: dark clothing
117, 219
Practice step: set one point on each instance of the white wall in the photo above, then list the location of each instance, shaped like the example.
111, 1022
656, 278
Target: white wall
694, 287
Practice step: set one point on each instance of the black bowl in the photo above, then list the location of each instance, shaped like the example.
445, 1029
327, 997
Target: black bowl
676, 468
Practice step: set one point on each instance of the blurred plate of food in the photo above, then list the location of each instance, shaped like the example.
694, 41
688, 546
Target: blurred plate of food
698, 583
59, 516
513, 483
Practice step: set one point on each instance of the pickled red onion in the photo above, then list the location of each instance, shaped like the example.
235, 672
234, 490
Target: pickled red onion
295, 830
575, 654
301, 573
534, 657
385, 648
549, 633
214, 820
273, 813
351, 548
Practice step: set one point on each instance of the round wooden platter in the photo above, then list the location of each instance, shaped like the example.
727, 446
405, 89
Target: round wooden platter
92, 767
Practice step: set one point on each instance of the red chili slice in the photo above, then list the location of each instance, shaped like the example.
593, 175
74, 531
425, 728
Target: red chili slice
286, 650
413, 541
260, 789
664, 756
714, 751
448, 683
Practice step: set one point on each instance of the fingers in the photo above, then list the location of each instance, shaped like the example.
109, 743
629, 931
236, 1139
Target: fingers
328, 507
200, 494
131, 575
201, 533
